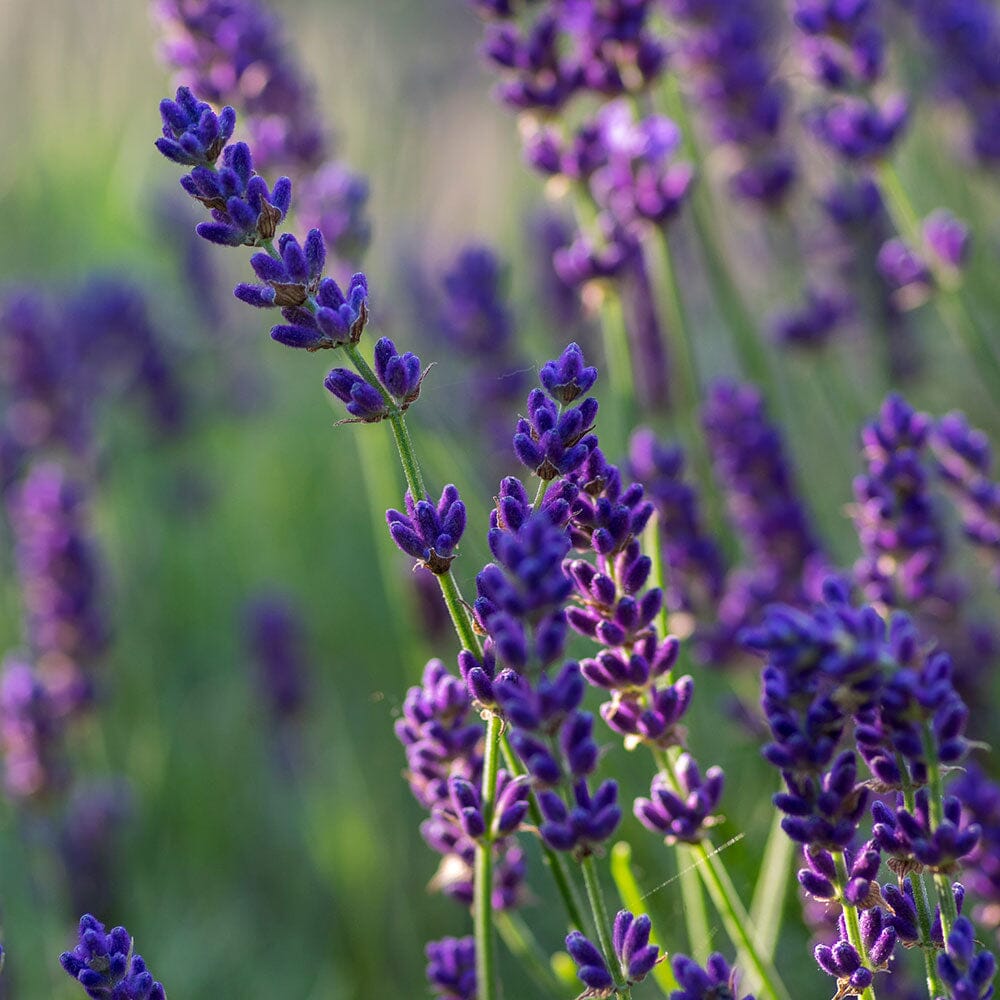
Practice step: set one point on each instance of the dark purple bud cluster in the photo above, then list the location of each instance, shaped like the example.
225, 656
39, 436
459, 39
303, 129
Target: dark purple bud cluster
860, 130
843, 43
898, 523
105, 967
552, 441
963, 38
725, 52
812, 324
696, 570
451, 968
585, 825
399, 378
964, 463
967, 974
520, 597
715, 980
245, 211
784, 557
442, 740
276, 641
603, 48
682, 812
912, 836
429, 533
819, 878
636, 956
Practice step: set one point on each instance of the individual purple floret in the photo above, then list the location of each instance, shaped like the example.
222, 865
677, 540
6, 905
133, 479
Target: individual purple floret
509, 809
568, 377
948, 238
451, 968
591, 968
682, 814
193, 134
104, 965
427, 532
364, 402
906, 275
843, 962
966, 973
399, 373
584, 827
630, 939
716, 980
276, 641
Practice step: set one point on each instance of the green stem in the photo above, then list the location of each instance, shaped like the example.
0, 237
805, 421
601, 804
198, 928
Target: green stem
555, 861
600, 913
523, 945
921, 900
935, 801
652, 546
631, 897
954, 312
768, 904
678, 327
737, 922
726, 900
482, 886
459, 615
851, 919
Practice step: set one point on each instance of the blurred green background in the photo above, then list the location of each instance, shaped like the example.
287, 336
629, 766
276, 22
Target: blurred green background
236, 879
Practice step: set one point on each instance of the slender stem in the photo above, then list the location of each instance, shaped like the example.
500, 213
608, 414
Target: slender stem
727, 902
935, 799
954, 312
524, 946
482, 886
737, 921
679, 329
600, 913
921, 900
851, 919
652, 546
631, 897
555, 861
768, 904
459, 615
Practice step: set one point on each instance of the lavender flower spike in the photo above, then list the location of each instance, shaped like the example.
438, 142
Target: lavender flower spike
967, 974
105, 967
716, 980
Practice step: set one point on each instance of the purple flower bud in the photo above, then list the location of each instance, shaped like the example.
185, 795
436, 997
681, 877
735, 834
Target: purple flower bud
590, 964
451, 968
948, 238
364, 401
427, 533
399, 373
567, 378
104, 965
